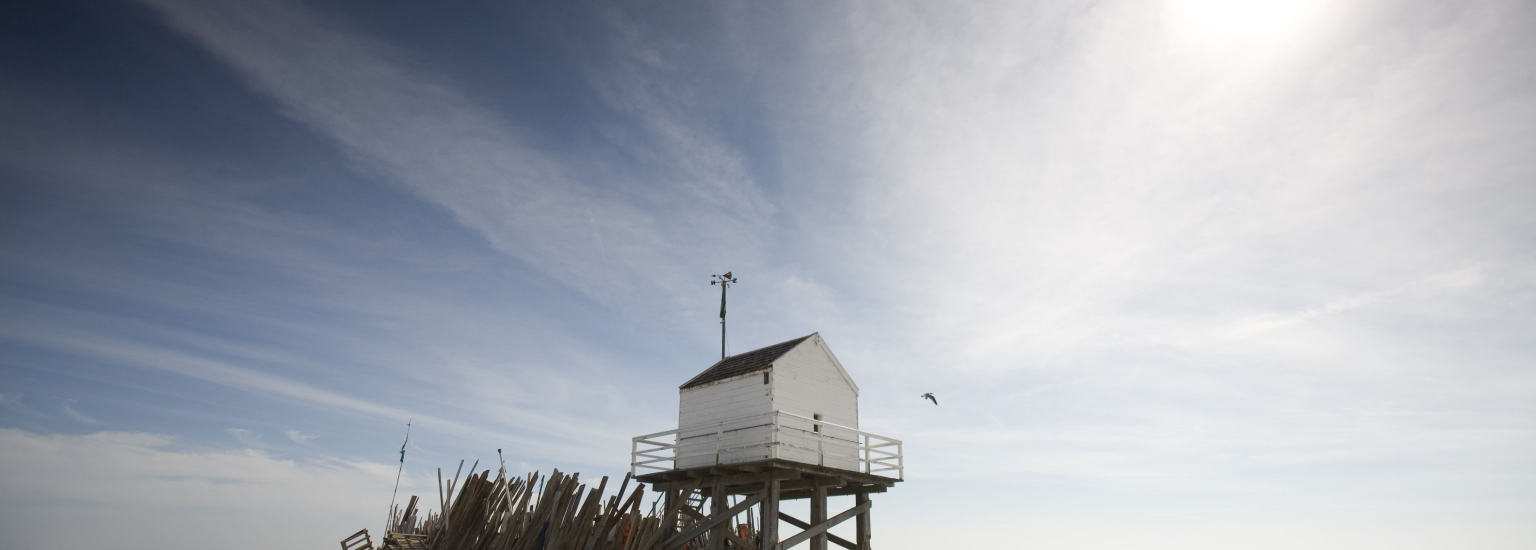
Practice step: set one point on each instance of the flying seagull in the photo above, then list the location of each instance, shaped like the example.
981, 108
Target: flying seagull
929, 396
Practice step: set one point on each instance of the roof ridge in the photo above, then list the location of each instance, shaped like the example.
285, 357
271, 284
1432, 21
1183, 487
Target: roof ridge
745, 362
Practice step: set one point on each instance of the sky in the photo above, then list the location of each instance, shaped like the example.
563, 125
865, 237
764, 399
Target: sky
1184, 274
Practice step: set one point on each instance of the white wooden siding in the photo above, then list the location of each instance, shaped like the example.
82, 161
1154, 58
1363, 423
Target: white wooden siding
723, 400
807, 382
739, 445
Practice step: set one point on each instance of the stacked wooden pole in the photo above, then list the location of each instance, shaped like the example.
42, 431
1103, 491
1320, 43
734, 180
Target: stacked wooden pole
531, 513
490, 511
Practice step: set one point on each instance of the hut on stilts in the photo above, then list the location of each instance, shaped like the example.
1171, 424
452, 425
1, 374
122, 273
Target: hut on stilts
754, 430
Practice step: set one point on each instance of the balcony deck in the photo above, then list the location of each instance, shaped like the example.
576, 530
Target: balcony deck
776, 438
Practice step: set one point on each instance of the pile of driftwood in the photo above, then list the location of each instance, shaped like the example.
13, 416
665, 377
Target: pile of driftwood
531, 513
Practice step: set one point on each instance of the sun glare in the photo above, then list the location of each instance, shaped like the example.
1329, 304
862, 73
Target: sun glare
1237, 19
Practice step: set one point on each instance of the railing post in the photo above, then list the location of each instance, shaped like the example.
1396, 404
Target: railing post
821, 453
634, 448
719, 441
773, 440
901, 462
865, 450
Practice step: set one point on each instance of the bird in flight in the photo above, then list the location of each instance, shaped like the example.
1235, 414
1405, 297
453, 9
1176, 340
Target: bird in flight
929, 396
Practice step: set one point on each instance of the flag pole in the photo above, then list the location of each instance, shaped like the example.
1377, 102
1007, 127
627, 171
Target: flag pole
724, 281
722, 319
388, 528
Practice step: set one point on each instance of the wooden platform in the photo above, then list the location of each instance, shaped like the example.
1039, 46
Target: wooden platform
766, 483
796, 479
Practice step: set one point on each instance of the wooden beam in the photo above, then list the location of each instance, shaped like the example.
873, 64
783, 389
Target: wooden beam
769, 532
736, 540
862, 530
834, 492
819, 516
742, 484
703, 525
679, 499
813, 481
822, 528
717, 500
834, 539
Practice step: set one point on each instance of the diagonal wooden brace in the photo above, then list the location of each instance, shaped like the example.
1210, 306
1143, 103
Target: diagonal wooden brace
744, 545
699, 527
834, 539
819, 529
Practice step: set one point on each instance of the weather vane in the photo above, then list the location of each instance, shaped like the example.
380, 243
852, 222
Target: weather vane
725, 281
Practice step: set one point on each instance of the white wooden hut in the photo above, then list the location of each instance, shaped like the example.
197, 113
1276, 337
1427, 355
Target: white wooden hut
772, 424
788, 401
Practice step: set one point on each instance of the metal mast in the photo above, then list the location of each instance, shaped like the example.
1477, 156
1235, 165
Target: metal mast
725, 281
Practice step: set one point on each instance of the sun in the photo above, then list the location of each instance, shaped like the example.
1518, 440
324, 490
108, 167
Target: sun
1237, 19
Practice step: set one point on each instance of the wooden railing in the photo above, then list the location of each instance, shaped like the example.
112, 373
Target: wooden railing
784, 436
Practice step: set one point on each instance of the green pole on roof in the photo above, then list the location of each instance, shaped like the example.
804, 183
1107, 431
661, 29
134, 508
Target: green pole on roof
725, 281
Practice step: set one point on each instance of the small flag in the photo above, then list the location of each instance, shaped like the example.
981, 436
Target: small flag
407, 442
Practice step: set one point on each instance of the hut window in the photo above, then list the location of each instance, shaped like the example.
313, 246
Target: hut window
816, 427
765, 377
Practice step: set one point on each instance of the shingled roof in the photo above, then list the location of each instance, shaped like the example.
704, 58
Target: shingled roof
743, 363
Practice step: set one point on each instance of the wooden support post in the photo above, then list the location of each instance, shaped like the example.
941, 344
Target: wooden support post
861, 498
769, 532
819, 515
717, 506
669, 521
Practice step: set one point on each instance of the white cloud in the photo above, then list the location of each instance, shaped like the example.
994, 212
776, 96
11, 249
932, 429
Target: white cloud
1456, 281
1063, 214
116, 489
247, 438
299, 437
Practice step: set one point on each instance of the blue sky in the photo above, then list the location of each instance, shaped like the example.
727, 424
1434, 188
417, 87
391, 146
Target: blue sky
1187, 274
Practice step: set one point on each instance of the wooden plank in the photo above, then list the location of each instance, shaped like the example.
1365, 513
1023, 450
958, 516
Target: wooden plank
819, 515
739, 542
769, 533
822, 527
705, 524
358, 541
862, 534
840, 541
669, 519
717, 506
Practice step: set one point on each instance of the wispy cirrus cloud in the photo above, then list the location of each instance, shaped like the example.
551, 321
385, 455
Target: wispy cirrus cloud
1171, 259
247, 438
399, 120
17, 402
69, 410
543, 437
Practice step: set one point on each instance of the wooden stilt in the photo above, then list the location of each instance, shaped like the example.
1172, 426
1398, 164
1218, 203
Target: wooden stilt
717, 505
669, 521
819, 515
770, 515
863, 524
